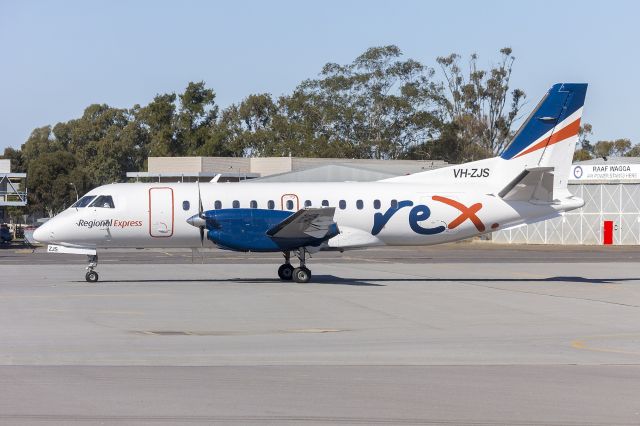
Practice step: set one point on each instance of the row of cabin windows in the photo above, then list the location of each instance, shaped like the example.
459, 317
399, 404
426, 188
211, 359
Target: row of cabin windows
289, 205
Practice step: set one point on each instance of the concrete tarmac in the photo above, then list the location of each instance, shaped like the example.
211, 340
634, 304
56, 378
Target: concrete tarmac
379, 338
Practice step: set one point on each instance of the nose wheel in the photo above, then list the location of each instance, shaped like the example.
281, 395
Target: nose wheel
92, 276
287, 272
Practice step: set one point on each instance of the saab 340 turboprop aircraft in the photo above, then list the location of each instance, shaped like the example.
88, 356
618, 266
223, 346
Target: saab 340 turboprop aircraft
527, 183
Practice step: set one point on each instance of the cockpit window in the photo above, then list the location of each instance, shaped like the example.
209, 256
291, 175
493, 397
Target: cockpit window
103, 201
84, 201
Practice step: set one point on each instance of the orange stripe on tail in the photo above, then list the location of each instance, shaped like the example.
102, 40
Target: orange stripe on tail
567, 132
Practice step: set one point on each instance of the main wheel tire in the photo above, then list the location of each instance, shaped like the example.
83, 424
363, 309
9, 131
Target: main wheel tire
285, 272
91, 276
301, 275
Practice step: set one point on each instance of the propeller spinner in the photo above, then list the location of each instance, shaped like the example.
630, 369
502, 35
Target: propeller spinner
199, 220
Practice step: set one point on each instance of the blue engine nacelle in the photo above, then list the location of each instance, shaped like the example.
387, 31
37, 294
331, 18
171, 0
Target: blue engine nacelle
246, 230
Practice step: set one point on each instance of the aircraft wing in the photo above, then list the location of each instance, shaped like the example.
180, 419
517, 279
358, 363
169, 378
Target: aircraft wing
314, 223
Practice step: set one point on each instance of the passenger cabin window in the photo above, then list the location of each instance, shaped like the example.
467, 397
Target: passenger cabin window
217, 205
376, 204
103, 202
325, 203
236, 204
307, 203
289, 204
185, 205
342, 204
253, 204
359, 204
271, 205
394, 204
84, 201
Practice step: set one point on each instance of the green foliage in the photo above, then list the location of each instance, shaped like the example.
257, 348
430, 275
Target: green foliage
50, 179
477, 102
157, 122
379, 106
193, 121
614, 148
633, 152
585, 150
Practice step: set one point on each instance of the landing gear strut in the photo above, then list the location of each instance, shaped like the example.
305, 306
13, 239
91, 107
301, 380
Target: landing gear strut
286, 272
301, 274
92, 276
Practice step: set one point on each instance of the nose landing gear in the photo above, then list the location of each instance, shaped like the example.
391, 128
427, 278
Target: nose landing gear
92, 276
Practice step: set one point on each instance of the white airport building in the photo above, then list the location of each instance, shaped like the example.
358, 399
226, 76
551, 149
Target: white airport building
611, 214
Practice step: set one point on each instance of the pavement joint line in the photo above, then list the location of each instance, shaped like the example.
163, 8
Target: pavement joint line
91, 312
56, 296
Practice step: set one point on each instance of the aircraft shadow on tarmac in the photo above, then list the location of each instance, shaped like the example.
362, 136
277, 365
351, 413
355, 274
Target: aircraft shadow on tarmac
374, 282
317, 279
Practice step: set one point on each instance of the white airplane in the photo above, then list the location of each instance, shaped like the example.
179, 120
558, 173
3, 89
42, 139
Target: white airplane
527, 183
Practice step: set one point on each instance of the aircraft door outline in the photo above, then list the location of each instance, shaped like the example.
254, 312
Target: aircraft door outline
161, 212
289, 197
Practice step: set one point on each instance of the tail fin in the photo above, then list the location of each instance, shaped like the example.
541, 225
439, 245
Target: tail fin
536, 163
549, 136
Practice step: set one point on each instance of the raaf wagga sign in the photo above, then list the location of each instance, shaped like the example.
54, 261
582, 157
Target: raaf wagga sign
605, 172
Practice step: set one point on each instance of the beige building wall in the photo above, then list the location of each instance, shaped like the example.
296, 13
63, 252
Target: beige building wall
226, 164
267, 166
199, 165
175, 165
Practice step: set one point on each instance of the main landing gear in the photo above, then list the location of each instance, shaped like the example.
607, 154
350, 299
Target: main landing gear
287, 272
92, 276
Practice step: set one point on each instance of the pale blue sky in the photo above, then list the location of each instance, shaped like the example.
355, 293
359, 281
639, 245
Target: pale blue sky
57, 57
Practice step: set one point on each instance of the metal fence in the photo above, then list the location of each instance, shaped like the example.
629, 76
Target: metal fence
619, 203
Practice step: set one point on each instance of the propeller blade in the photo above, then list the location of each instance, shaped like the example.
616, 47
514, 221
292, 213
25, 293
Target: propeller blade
201, 214
200, 208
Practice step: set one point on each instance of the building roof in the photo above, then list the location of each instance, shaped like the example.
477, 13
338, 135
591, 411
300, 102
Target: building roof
329, 173
266, 166
398, 167
189, 174
609, 160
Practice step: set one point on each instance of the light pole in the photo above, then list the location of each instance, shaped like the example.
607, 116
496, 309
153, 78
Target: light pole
75, 189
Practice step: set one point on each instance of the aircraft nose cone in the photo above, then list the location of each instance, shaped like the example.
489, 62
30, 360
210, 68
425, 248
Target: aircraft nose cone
42, 234
196, 221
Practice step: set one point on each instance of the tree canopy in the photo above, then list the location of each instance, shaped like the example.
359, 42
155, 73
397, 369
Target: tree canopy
602, 149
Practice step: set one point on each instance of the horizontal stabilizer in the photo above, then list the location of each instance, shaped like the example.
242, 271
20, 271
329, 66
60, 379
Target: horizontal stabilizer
533, 184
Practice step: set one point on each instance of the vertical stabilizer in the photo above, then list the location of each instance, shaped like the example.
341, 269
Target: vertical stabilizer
548, 137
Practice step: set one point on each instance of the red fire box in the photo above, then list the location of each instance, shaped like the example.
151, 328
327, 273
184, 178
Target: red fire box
608, 232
